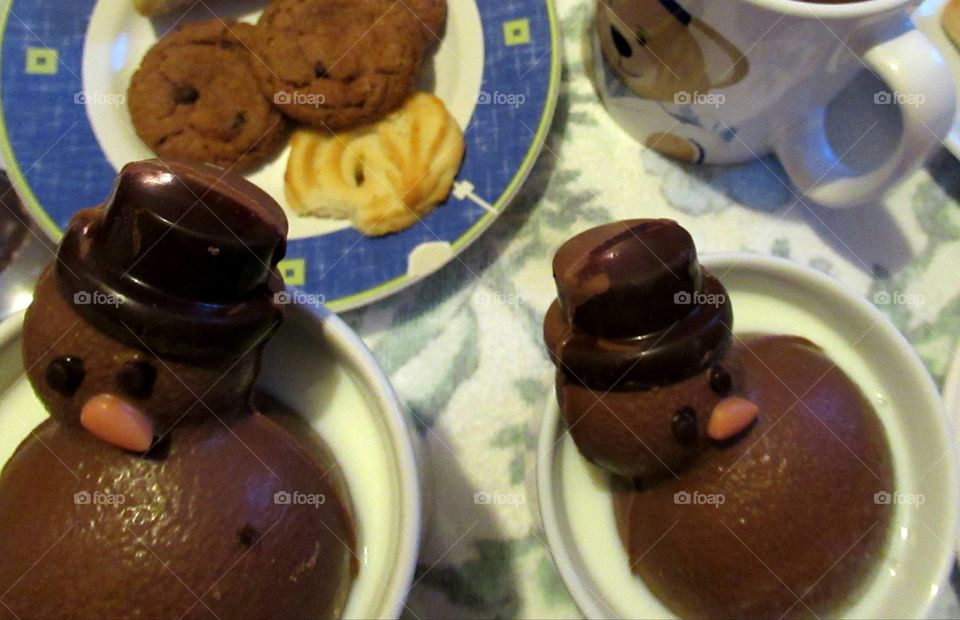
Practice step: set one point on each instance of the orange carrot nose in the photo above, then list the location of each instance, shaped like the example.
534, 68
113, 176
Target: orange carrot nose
730, 416
117, 422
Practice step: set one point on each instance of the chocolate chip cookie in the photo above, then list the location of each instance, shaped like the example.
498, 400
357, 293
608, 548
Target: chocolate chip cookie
433, 17
195, 97
335, 64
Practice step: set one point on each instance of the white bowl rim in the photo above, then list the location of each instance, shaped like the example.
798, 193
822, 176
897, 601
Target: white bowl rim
588, 602
348, 344
354, 350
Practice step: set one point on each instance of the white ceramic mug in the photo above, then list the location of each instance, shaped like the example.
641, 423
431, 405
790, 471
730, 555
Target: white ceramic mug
725, 81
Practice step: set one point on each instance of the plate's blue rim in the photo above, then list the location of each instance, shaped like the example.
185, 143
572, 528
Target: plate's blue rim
19, 182
381, 290
533, 152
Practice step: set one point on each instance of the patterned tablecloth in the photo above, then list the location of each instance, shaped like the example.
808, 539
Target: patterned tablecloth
464, 348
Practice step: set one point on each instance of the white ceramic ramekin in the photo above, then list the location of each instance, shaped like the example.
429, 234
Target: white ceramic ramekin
317, 365
777, 296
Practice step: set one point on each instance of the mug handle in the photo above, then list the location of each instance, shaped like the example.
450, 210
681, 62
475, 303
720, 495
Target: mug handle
908, 63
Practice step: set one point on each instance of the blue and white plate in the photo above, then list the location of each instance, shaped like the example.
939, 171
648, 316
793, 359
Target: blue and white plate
65, 129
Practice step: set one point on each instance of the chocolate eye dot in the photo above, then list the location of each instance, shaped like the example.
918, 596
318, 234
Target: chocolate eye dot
65, 374
684, 425
136, 378
720, 380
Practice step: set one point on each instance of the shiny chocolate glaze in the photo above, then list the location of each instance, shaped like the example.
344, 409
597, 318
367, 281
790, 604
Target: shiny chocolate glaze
149, 266
199, 529
783, 523
634, 333
619, 280
634, 308
206, 523
183, 390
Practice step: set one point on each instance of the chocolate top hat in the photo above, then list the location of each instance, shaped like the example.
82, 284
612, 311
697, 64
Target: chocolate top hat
180, 261
635, 309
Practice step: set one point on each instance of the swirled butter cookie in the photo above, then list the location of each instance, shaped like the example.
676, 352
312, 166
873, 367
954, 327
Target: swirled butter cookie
384, 177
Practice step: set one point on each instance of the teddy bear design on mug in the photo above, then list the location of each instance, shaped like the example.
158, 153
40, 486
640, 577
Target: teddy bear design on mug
732, 81
660, 52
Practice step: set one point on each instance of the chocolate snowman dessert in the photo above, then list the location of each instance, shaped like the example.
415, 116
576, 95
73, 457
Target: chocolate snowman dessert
746, 469
628, 321
156, 489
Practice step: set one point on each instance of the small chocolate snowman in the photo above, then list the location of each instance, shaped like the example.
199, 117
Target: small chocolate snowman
640, 334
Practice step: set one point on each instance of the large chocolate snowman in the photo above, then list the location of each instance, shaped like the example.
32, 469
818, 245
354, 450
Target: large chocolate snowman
157, 490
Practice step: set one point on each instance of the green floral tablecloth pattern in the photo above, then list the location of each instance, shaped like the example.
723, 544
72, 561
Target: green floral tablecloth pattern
464, 349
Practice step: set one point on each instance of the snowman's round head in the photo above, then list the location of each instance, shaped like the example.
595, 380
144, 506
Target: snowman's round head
158, 305
641, 336
127, 395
